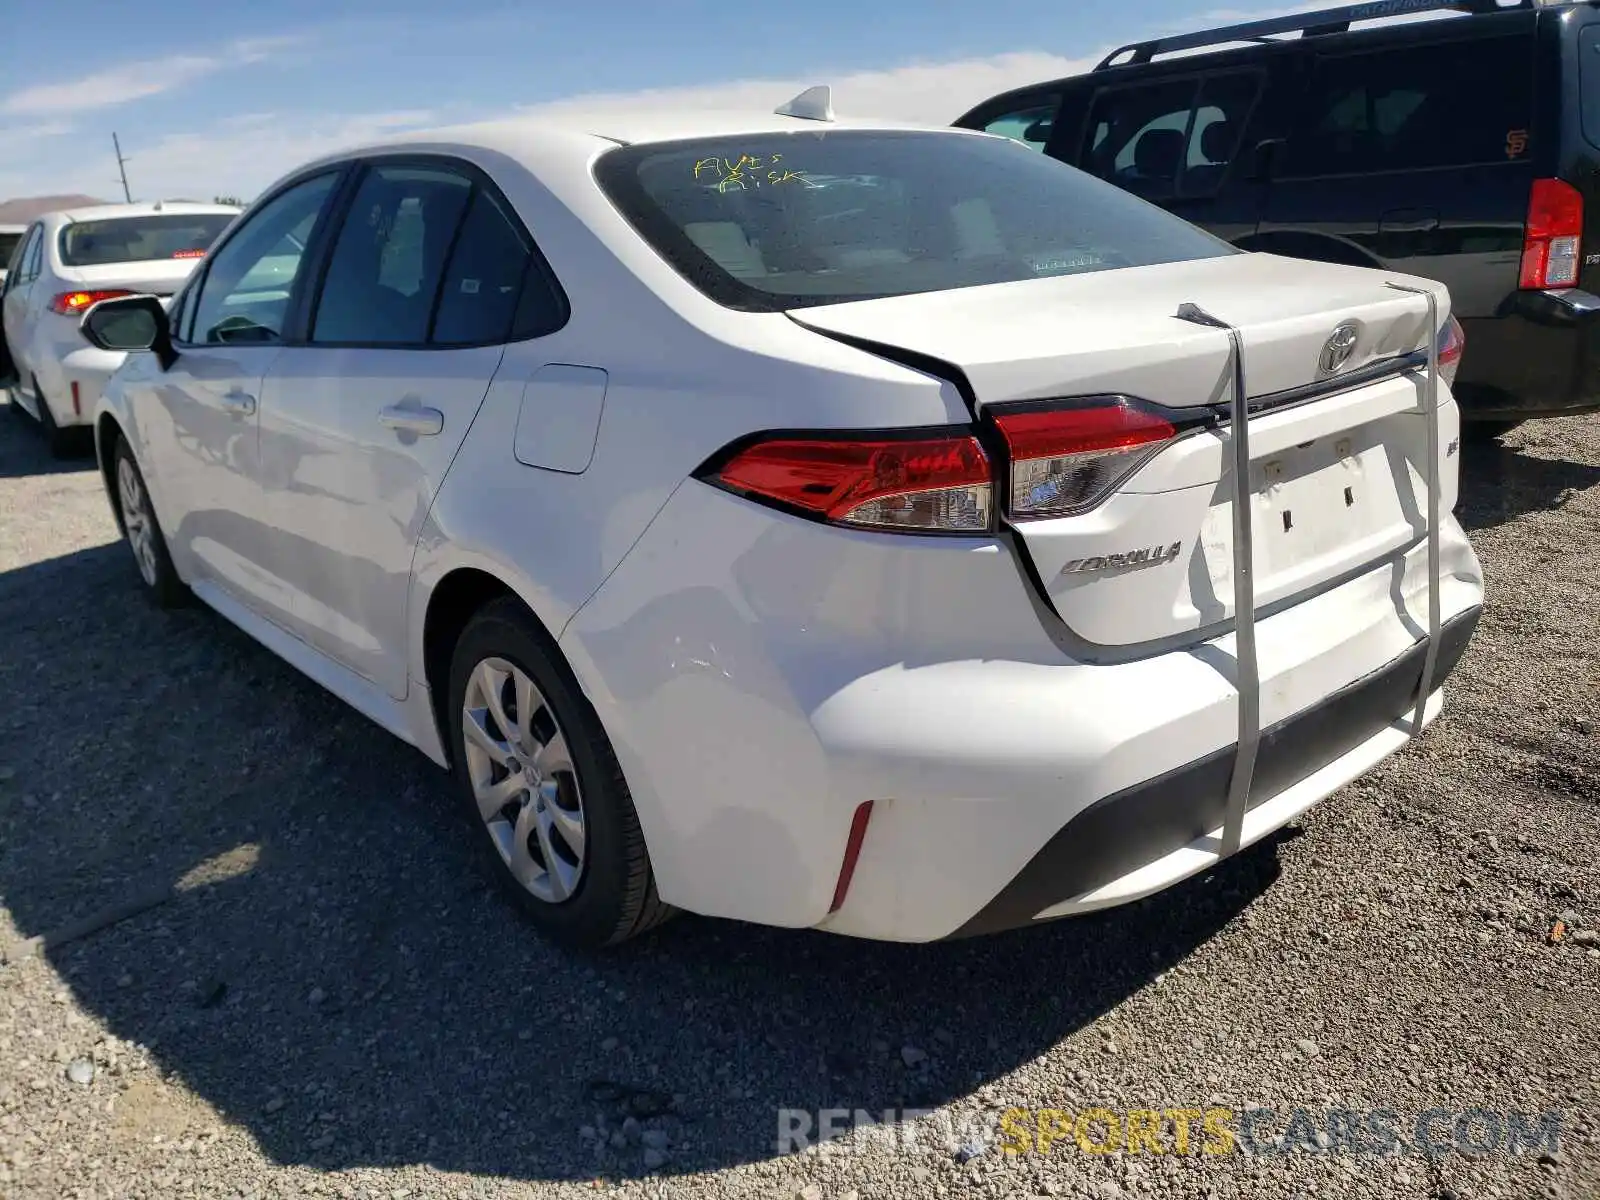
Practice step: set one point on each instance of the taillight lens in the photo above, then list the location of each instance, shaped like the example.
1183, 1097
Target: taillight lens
70, 304
1452, 344
1066, 459
1551, 247
929, 484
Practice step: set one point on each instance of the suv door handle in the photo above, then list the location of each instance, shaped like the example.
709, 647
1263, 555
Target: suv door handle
1408, 220
239, 404
424, 422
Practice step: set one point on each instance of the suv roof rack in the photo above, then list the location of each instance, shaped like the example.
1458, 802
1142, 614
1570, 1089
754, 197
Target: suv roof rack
1310, 24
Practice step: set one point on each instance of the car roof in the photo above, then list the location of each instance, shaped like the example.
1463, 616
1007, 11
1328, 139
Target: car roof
567, 135
100, 212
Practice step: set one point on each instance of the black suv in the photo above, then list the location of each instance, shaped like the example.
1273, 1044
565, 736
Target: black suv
1464, 149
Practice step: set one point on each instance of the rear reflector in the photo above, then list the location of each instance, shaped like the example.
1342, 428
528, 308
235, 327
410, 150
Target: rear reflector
69, 304
930, 484
1551, 248
852, 851
1066, 458
77, 403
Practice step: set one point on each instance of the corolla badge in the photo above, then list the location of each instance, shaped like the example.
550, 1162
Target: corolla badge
1339, 348
1152, 557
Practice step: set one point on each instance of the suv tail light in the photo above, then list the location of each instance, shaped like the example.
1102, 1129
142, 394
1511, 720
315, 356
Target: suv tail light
924, 482
1452, 344
70, 304
1066, 459
1550, 248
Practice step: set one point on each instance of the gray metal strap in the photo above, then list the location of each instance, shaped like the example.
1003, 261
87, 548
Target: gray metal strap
1247, 670
1430, 412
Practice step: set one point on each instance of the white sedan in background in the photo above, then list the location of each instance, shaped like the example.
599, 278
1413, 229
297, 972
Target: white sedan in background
67, 262
820, 523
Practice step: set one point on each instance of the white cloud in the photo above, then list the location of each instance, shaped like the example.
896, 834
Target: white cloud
134, 81
936, 93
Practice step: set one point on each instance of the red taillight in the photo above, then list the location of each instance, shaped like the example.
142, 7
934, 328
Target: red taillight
70, 304
1550, 248
1066, 459
1452, 345
930, 483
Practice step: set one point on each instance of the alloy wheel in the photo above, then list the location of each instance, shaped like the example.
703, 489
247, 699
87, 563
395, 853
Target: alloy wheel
524, 780
136, 519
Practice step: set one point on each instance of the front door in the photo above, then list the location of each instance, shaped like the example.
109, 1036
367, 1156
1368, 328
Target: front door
359, 427
198, 419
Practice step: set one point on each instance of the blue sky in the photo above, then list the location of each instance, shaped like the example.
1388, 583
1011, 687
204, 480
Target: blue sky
211, 98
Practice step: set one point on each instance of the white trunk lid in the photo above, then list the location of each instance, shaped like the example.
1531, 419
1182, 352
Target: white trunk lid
159, 277
1336, 483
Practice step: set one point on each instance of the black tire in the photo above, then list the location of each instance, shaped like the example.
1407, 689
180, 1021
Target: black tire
1486, 431
60, 441
615, 897
159, 576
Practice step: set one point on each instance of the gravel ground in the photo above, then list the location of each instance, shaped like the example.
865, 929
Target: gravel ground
320, 996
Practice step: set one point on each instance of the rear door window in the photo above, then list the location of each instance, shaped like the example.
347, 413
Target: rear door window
1453, 104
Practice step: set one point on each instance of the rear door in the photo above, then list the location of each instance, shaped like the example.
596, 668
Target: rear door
1177, 141
1417, 156
425, 285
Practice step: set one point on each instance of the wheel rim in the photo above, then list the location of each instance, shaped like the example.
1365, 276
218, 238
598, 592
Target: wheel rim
136, 519
524, 780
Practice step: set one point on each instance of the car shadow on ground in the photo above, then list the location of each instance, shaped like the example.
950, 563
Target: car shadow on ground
1501, 482
332, 972
22, 448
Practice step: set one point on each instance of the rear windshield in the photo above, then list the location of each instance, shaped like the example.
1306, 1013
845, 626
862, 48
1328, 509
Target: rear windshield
783, 221
8, 246
140, 239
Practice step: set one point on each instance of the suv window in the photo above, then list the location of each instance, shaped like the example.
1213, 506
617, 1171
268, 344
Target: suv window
1453, 104
389, 260
1030, 123
248, 285
1172, 138
8, 246
769, 222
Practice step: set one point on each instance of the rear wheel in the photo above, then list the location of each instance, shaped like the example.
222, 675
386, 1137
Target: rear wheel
144, 534
540, 781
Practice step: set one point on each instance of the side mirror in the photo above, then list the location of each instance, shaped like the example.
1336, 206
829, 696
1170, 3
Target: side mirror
131, 323
1264, 161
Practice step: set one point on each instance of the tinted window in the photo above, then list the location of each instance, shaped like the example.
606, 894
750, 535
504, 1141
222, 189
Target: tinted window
389, 258
780, 221
1029, 123
1589, 81
33, 255
1173, 138
246, 291
140, 239
484, 278
9, 242
1455, 104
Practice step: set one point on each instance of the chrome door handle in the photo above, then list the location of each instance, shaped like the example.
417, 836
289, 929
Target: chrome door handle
424, 422
239, 404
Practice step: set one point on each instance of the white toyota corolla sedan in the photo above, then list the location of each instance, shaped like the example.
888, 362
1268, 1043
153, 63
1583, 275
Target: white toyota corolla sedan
66, 263
819, 523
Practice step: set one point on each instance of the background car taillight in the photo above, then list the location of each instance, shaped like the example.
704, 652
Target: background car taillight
1551, 246
937, 483
1066, 459
1452, 344
70, 304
